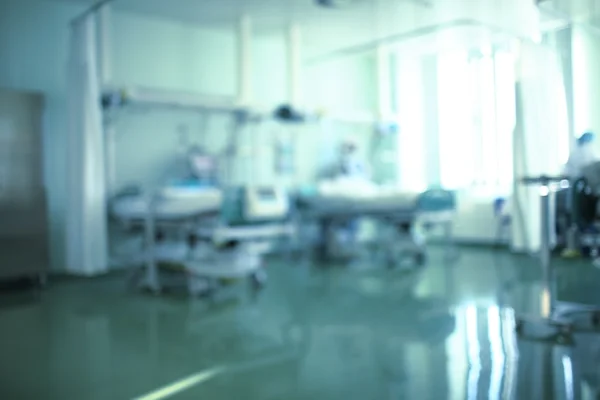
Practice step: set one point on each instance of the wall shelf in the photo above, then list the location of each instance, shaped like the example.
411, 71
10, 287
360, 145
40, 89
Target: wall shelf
117, 97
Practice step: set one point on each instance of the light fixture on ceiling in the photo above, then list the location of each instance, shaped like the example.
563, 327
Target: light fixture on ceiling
347, 3
335, 3
424, 3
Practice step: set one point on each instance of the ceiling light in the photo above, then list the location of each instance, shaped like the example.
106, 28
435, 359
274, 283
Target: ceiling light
334, 3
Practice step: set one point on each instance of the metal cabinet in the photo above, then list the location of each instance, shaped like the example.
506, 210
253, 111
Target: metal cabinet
23, 205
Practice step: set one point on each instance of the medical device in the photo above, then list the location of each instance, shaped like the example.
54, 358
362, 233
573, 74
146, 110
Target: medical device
263, 203
288, 114
202, 164
558, 320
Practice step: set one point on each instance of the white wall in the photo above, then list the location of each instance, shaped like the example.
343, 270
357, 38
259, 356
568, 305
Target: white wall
160, 53
345, 83
154, 52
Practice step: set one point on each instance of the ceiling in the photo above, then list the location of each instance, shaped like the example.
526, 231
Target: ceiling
580, 11
459, 37
325, 30
265, 12
269, 13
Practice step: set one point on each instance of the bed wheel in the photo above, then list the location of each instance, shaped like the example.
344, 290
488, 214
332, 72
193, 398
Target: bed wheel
390, 263
596, 320
564, 339
258, 280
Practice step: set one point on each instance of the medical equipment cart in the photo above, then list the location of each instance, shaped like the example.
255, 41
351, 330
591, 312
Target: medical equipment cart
559, 320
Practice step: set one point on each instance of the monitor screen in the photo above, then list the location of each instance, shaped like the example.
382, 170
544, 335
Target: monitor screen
266, 194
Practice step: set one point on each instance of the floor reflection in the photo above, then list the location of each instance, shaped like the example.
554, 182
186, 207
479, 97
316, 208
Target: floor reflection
446, 332
18, 293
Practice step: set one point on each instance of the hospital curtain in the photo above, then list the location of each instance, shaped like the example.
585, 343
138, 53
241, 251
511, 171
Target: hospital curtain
541, 136
86, 201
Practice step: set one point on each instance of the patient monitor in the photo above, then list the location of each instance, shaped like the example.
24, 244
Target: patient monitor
265, 202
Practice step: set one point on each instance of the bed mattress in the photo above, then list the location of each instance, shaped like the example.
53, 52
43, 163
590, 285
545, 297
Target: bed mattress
169, 204
333, 205
334, 202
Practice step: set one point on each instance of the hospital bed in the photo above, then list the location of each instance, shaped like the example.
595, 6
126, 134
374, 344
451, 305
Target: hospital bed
207, 235
402, 213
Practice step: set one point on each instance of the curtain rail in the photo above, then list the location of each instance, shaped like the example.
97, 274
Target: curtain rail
91, 10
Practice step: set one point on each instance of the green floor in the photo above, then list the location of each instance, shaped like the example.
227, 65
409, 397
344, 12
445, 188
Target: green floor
315, 333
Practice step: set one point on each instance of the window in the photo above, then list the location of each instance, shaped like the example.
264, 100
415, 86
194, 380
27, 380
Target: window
411, 144
506, 117
456, 138
457, 115
476, 111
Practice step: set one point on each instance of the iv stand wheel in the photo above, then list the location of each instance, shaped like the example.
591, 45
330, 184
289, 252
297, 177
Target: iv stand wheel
566, 330
545, 330
563, 339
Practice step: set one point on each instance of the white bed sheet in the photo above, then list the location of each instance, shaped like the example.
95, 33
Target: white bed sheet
168, 204
359, 191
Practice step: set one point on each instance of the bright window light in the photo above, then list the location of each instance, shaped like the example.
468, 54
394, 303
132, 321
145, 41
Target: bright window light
476, 120
411, 144
476, 115
456, 132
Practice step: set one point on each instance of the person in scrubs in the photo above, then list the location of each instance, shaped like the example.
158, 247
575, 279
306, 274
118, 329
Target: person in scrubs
350, 163
582, 155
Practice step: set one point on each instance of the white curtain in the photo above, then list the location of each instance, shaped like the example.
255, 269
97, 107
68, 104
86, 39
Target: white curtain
540, 137
86, 201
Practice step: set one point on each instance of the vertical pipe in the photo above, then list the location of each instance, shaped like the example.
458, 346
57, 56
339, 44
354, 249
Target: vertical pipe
548, 292
384, 86
431, 123
110, 159
496, 112
104, 16
394, 65
294, 65
104, 51
565, 47
245, 60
